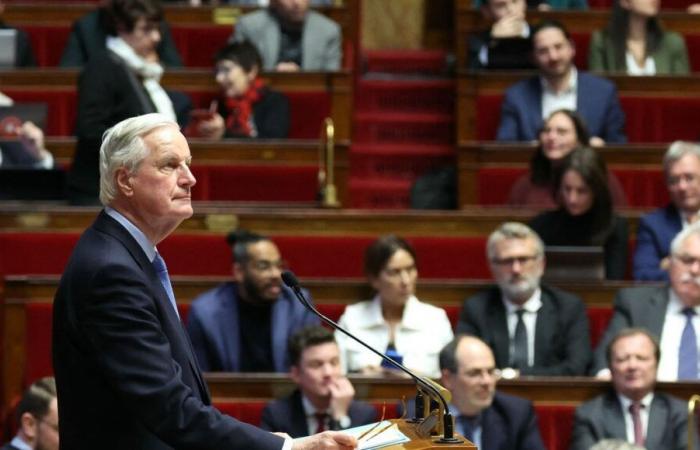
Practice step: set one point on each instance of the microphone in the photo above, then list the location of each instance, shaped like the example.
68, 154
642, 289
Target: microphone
427, 384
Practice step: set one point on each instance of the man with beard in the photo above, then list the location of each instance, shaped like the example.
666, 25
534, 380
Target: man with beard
231, 326
37, 418
559, 85
669, 312
532, 329
290, 38
490, 419
324, 398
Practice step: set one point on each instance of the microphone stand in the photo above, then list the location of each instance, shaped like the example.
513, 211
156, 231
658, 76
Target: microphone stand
426, 385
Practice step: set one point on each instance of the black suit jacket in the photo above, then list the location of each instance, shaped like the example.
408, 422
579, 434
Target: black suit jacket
108, 92
8, 447
602, 418
562, 343
287, 415
125, 371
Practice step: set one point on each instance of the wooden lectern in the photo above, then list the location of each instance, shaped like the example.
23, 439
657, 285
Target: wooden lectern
420, 443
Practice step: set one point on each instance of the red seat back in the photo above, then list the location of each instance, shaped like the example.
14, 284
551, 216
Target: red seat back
556, 423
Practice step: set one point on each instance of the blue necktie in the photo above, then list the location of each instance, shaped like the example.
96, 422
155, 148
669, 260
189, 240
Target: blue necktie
162, 271
688, 351
469, 425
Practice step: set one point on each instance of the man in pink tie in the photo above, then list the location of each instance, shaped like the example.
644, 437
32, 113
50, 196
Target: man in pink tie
632, 410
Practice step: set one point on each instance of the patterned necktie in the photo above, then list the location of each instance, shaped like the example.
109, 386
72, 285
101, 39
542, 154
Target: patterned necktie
519, 358
635, 409
162, 271
688, 350
321, 421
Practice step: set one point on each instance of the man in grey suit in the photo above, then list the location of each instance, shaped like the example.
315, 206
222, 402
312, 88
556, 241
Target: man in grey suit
533, 329
631, 410
669, 312
290, 37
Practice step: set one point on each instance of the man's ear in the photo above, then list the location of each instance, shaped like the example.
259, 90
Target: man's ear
294, 373
28, 425
238, 273
446, 379
124, 182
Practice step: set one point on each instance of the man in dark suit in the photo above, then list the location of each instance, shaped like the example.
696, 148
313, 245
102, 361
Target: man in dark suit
490, 419
126, 375
632, 410
323, 399
37, 418
532, 329
244, 325
658, 228
560, 85
670, 312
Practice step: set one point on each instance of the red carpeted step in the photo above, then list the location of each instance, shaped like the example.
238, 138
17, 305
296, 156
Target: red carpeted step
378, 193
406, 61
422, 96
396, 128
398, 161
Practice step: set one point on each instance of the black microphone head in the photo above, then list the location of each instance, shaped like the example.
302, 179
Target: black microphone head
290, 279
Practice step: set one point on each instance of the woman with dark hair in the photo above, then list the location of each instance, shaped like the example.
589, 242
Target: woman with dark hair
562, 132
247, 107
635, 43
395, 321
585, 216
121, 81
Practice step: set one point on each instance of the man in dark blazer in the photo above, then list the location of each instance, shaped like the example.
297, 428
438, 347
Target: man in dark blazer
665, 311
559, 85
490, 419
244, 325
632, 410
532, 329
657, 229
37, 418
126, 375
324, 398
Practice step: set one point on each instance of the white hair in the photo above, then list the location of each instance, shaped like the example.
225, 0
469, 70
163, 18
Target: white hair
680, 238
123, 146
677, 150
512, 230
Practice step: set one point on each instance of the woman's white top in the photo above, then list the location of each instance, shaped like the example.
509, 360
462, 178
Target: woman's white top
633, 68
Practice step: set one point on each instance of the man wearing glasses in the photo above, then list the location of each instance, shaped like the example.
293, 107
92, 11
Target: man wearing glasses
669, 312
532, 329
37, 418
490, 419
231, 326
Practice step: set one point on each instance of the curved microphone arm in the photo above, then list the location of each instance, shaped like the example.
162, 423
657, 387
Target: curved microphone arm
293, 283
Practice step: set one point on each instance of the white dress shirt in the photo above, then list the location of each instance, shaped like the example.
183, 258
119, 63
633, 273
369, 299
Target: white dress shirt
643, 414
530, 307
566, 99
424, 330
674, 322
633, 68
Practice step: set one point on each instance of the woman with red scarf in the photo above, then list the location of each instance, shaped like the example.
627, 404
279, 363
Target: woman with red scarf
247, 108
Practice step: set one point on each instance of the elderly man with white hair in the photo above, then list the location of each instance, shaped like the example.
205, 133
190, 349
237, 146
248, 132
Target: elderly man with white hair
669, 312
126, 375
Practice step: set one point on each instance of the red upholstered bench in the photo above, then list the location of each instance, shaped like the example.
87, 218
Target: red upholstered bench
556, 423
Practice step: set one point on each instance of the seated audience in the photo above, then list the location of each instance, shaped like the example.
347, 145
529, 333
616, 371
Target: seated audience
244, 325
24, 56
394, 321
506, 45
490, 419
559, 85
632, 410
290, 37
120, 82
585, 215
669, 312
658, 228
562, 132
89, 34
247, 107
510, 315
324, 398
37, 418
634, 42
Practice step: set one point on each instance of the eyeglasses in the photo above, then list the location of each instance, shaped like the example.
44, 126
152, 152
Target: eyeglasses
491, 372
522, 260
676, 180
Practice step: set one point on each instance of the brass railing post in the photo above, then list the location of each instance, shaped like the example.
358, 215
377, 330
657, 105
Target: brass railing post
326, 169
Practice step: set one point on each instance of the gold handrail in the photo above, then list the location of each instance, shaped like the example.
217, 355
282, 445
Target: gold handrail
692, 420
326, 169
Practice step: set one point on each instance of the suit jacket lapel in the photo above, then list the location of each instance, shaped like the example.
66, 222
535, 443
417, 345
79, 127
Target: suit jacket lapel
536, 100
280, 317
298, 423
272, 40
613, 417
546, 318
657, 313
493, 435
658, 414
230, 342
498, 325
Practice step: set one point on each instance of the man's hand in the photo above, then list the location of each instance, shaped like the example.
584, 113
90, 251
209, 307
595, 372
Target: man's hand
328, 440
33, 139
508, 27
342, 394
213, 128
286, 66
